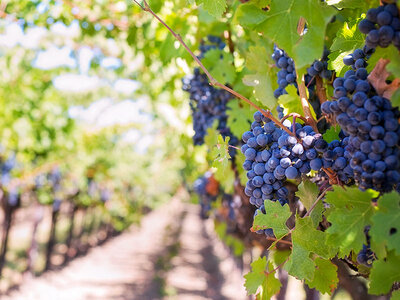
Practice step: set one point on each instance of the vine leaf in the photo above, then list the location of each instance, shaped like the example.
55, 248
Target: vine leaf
291, 101
214, 7
347, 39
350, 212
325, 276
386, 222
359, 4
300, 265
307, 236
396, 295
261, 80
308, 193
332, 134
259, 277
304, 49
238, 117
384, 273
396, 98
270, 286
256, 276
248, 15
219, 64
275, 217
221, 161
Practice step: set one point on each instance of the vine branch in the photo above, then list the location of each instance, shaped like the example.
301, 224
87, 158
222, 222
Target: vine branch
213, 81
305, 104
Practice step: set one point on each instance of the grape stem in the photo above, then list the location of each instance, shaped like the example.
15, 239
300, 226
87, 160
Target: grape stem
305, 104
294, 115
277, 267
316, 201
321, 90
213, 81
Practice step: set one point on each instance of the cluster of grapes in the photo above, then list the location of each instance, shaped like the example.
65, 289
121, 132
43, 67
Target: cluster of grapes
273, 156
6, 168
287, 72
382, 26
371, 124
208, 104
13, 193
207, 188
320, 67
366, 256
357, 59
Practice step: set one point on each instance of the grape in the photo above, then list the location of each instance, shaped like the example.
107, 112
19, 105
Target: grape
382, 26
208, 104
372, 127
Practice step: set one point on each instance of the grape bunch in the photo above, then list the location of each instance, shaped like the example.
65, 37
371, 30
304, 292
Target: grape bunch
287, 73
208, 104
320, 67
208, 189
273, 156
358, 59
382, 26
371, 125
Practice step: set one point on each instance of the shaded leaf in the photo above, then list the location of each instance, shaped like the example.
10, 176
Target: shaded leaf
325, 277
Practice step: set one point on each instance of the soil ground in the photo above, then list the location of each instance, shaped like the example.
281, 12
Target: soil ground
172, 255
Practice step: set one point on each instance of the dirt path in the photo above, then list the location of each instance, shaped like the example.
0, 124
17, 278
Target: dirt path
173, 255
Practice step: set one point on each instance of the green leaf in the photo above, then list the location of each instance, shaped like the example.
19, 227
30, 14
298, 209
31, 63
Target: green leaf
396, 98
270, 286
220, 153
214, 7
221, 69
239, 118
386, 222
325, 277
335, 62
221, 161
300, 265
390, 53
240, 158
308, 237
348, 37
275, 217
263, 92
281, 27
395, 295
308, 193
350, 212
357, 4
332, 134
256, 276
291, 101
259, 60
383, 274
248, 15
